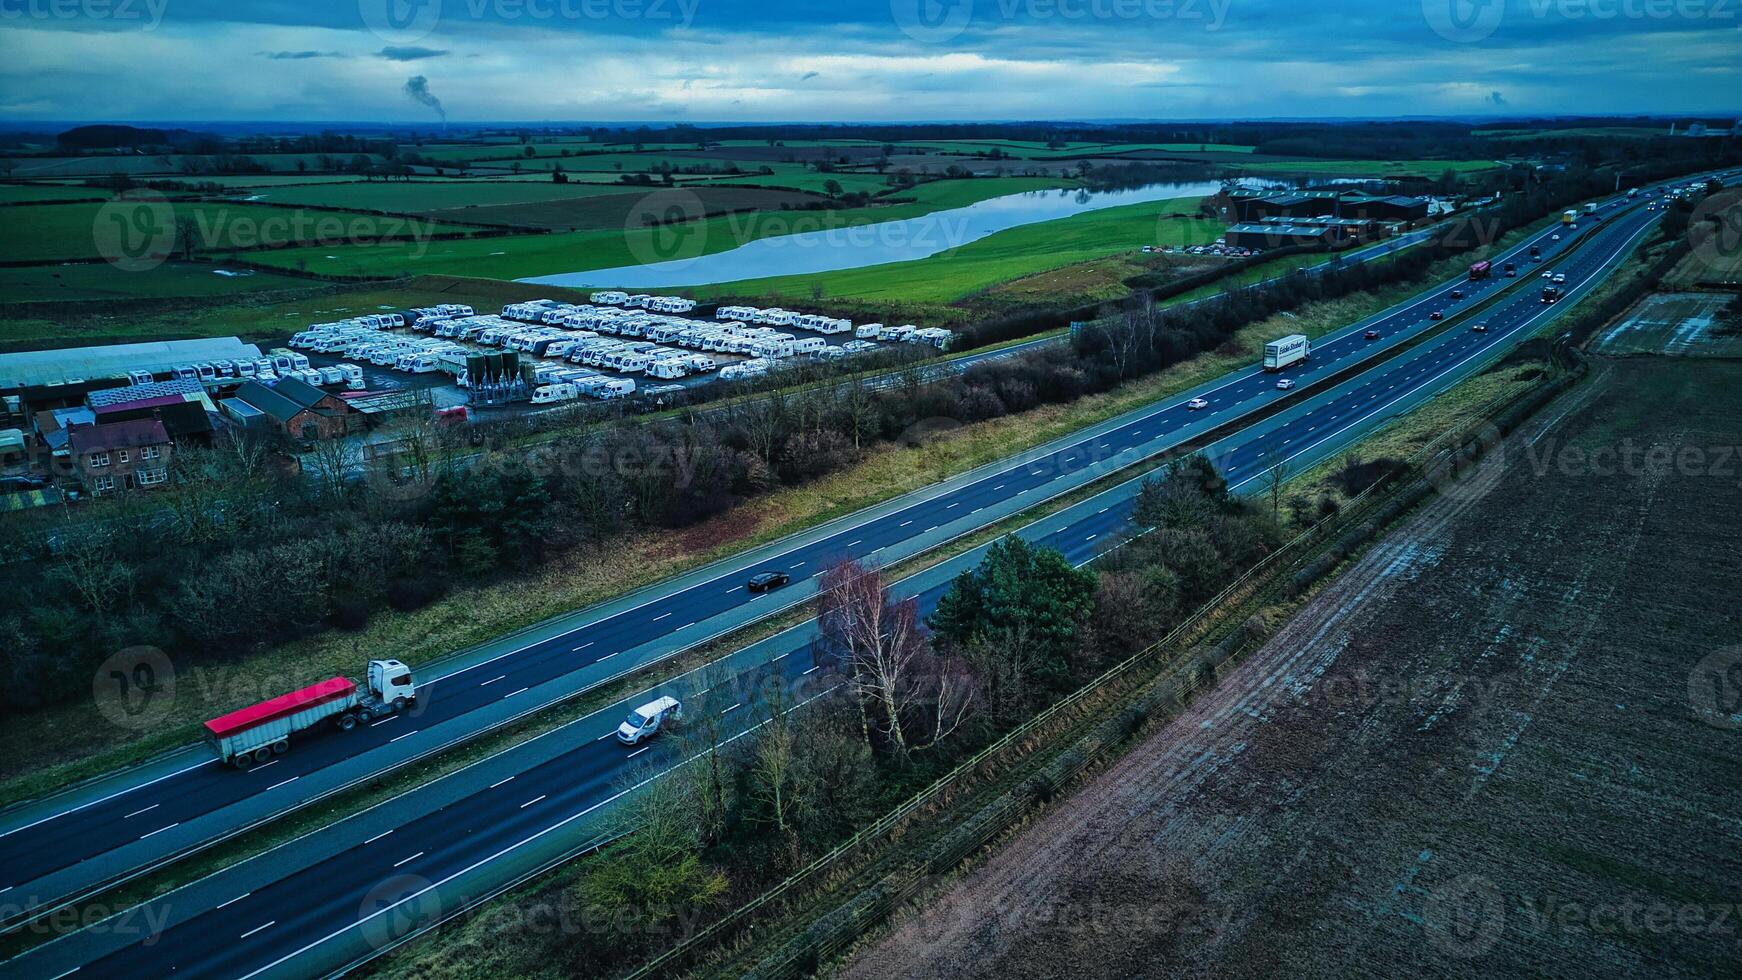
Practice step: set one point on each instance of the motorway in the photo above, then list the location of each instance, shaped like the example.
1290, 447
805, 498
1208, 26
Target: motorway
357, 886
471, 826
66, 845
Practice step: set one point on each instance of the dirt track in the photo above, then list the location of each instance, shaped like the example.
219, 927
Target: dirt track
1474, 754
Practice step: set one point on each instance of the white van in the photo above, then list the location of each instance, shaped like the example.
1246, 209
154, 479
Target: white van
644, 721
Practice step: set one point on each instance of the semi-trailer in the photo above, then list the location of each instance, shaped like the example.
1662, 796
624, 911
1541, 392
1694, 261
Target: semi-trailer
252, 735
1284, 351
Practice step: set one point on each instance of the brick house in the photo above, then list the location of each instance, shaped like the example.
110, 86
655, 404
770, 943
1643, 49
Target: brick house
297, 408
120, 456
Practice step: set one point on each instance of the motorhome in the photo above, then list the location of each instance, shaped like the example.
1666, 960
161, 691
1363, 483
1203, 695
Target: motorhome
614, 388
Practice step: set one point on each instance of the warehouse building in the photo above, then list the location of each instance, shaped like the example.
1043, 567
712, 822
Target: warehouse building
1275, 234
1245, 206
75, 365
1389, 208
296, 408
1341, 229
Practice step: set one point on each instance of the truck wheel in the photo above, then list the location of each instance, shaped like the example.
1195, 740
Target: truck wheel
263, 754
347, 722
242, 761
281, 746
398, 705
364, 715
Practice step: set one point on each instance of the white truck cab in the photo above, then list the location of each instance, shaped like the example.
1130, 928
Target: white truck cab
391, 683
644, 721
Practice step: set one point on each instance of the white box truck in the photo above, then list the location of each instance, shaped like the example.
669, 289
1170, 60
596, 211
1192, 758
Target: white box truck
255, 734
648, 719
1288, 350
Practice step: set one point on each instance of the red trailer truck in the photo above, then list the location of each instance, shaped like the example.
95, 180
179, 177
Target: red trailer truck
1480, 270
256, 733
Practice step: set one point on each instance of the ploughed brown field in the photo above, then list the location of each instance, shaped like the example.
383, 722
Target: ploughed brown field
1502, 744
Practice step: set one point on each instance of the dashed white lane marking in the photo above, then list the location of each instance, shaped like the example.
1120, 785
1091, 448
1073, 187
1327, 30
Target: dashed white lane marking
257, 929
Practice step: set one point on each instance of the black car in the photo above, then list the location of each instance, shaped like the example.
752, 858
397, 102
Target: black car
1372, 335
11, 484
763, 581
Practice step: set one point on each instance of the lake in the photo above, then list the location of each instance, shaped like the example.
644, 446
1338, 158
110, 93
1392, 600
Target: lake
673, 257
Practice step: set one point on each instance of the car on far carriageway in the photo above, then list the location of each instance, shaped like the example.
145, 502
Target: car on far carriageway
1285, 384
1479, 327
1435, 315
1197, 404
1372, 335
763, 581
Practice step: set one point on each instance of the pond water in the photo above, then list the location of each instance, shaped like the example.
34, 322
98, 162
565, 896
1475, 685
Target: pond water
672, 257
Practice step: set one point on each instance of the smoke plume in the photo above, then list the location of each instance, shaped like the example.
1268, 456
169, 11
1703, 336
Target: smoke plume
417, 87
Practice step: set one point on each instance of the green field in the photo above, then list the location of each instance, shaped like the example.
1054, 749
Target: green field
50, 192
100, 280
535, 255
168, 165
72, 231
950, 276
434, 195
1370, 168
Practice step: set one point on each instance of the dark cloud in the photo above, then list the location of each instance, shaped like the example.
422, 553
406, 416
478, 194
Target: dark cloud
1495, 98
410, 53
807, 76
299, 55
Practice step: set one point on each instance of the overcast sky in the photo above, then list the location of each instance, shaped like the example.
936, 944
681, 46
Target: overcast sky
861, 60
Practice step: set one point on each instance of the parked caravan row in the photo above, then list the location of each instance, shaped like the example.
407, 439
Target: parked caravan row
642, 301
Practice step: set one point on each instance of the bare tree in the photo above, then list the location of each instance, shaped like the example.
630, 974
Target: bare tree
332, 462
893, 675
1275, 477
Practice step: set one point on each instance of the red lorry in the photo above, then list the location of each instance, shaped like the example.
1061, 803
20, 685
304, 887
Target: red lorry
1480, 270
